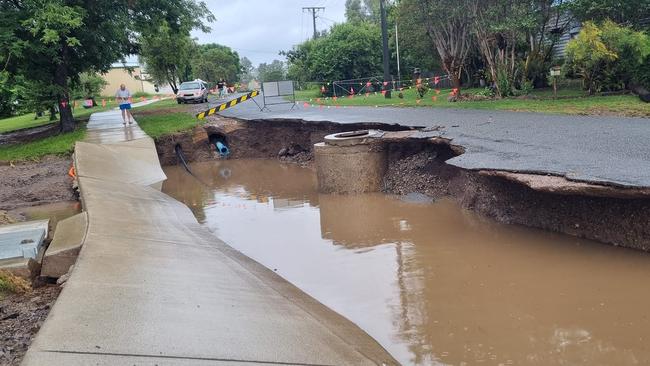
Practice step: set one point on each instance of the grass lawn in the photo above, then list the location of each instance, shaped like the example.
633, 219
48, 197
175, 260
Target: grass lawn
24, 121
29, 120
62, 144
165, 117
165, 122
167, 104
572, 103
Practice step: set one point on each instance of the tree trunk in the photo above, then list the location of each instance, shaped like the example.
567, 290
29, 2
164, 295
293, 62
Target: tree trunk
455, 81
171, 79
65, 116
52, 113
61, 81
454, 73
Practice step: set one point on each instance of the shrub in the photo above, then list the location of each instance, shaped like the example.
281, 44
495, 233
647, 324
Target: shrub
504, 82
487, 92
608, 57
527, 87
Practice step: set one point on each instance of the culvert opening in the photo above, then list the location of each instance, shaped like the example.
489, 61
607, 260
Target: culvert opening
220, 144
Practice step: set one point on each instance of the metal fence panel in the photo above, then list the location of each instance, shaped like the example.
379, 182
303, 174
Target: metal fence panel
285, 87
271, 89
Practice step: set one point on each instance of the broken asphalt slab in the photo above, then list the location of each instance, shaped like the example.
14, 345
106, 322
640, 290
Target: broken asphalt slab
594, 149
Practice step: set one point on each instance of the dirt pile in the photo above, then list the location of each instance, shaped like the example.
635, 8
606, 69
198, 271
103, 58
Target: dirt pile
21, 316
35, 183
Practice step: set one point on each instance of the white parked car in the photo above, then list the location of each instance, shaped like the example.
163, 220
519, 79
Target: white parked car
192, 91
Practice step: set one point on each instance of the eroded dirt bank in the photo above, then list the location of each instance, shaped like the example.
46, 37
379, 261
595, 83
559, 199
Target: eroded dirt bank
419, 166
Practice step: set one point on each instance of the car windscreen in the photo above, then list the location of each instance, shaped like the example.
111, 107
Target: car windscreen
189, 86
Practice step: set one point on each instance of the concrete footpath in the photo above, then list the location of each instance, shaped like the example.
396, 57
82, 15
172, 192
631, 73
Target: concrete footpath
153, 287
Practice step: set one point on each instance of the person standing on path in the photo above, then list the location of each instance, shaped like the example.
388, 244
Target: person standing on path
123, 96
221, 85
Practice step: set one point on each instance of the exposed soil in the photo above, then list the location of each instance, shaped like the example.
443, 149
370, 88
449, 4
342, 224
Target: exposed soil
28, 184
30, 134
290, 141
618, 221
418, 166
35, 183
21, 316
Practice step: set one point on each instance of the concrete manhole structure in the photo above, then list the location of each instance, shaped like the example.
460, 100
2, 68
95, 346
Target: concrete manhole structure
21, 246
351, 162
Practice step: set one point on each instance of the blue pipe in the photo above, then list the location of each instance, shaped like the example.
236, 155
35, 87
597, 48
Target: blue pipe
222, 148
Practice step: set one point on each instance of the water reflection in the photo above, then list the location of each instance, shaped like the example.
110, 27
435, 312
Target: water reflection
55, 212
434, 284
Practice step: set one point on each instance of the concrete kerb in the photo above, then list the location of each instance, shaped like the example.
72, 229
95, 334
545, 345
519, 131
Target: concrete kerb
62, 253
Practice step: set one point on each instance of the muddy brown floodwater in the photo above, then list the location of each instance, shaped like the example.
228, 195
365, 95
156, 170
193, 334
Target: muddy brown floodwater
55, 212
433, 283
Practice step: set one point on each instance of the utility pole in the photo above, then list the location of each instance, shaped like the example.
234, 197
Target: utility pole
399, 73
384, 39
314, 10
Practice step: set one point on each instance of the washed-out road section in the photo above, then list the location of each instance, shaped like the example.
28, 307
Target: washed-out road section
152, 286
594, 149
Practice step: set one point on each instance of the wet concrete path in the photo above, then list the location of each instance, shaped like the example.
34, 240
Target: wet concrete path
434, 284
153, 287
607, 150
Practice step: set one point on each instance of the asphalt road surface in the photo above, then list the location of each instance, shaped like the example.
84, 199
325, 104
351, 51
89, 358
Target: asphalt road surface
604, 150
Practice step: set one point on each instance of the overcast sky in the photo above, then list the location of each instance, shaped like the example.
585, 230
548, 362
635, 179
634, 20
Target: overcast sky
259, 29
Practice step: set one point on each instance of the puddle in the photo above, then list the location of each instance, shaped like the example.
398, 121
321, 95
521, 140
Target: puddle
432, 283
54, 211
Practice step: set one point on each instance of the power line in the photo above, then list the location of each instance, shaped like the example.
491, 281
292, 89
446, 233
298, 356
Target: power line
255, 51
314, 10
328, 19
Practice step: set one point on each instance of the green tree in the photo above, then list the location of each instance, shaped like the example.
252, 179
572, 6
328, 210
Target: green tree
635, 13
54, 41
550, 19
448, 25
89, 86
500, 27
362, 11
11, 94
212, 62
247, 70
275, 71
415, 44
349, 51
608, 57
167, 55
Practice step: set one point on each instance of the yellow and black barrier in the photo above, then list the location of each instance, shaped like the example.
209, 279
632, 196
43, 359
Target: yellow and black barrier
228, 104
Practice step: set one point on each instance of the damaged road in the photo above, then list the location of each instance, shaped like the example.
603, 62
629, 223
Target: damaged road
600, 150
